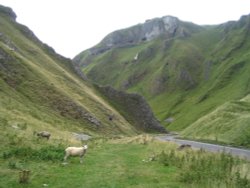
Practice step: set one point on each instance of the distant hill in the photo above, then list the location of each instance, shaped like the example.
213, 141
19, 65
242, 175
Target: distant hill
40, 90
185, 71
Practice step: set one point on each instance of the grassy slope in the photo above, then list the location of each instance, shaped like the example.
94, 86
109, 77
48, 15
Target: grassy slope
40, 90
184, 78
229, 79
224, 124
155, 62
228, 123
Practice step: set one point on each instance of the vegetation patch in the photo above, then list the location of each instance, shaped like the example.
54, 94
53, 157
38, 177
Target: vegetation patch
207, 170
123, 162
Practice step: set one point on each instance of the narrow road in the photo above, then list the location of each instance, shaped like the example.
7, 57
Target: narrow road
242, 153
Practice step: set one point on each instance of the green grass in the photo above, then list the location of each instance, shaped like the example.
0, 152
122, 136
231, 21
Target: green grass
106, 164
224, 124
125, 162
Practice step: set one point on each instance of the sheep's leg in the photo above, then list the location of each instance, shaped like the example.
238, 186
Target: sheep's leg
81, 159
82, 155
65, 157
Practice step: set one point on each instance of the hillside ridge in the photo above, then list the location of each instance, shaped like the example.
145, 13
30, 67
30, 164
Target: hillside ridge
184, 73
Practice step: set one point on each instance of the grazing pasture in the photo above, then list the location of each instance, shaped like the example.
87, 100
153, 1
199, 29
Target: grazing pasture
122, 162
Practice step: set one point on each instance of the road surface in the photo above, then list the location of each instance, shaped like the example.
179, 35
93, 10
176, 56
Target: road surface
242, 153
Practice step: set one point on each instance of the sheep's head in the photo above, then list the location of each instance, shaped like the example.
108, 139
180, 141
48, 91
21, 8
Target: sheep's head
85, 146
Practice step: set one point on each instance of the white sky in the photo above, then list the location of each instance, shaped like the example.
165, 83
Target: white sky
71, 26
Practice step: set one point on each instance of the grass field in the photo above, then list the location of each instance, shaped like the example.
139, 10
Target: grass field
122, 162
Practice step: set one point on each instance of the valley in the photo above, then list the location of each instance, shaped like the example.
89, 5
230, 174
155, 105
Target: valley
185, 72
194, 78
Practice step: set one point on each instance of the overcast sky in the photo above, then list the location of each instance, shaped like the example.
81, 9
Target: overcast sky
71, 26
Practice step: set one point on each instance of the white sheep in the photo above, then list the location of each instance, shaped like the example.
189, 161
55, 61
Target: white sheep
75, 151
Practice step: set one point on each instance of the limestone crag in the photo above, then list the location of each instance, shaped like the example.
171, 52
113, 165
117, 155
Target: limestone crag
166, 26
8, 12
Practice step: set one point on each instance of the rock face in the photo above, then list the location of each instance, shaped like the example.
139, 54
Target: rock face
8, 12
167, 26
143, 32
134, 108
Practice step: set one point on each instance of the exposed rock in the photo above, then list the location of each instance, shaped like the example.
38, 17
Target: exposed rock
134, 108
8, 12
243, 22
147, 31
169, 120
169, 27
81, 136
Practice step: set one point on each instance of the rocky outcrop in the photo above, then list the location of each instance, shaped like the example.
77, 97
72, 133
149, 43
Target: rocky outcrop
231, 25
166, 26
134, 108
8, 12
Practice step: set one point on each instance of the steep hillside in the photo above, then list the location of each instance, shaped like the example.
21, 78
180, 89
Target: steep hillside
182, 76
125, 64
224, 124
39, 90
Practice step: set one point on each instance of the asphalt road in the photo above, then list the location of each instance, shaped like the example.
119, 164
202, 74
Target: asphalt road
242, 153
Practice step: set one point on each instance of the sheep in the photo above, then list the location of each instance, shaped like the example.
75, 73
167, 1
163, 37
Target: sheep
183, 146
43, 134
75, 151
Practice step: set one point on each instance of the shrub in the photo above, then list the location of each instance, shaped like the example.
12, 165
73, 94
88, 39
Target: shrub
201, 168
